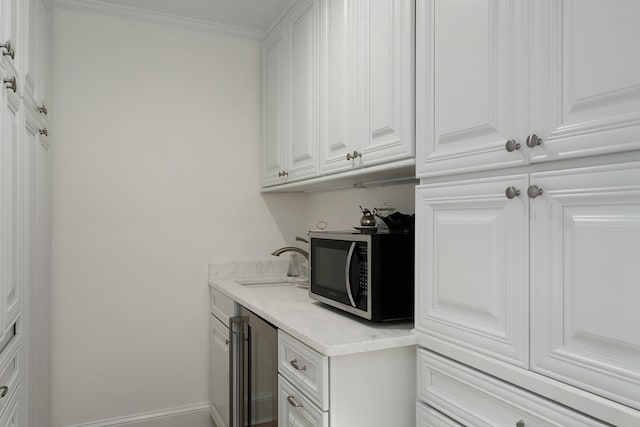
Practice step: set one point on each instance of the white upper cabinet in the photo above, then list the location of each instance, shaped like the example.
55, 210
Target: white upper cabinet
273, 99
471, 85
289, 110
585, 242
367, 83
502, 83
585, 77
10, 36
302, 122
37, 66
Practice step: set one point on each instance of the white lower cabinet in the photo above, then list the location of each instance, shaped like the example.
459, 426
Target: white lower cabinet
428, 417
12, 416
476, 399
219, 372
533, 278
373, 389
295, 410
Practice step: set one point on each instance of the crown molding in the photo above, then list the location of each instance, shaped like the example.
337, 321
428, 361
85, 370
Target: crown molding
101, 8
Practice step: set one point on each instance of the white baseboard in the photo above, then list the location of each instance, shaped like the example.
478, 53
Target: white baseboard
196, 415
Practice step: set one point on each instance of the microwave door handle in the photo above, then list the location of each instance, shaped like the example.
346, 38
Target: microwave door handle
347, 275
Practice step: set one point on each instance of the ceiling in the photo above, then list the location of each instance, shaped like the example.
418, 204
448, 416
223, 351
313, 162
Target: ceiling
255, 15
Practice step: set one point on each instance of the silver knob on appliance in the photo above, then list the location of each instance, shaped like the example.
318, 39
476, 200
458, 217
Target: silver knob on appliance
512, 192
42, 109
533, 140
11, 84
512, 145
534, 191
8, 49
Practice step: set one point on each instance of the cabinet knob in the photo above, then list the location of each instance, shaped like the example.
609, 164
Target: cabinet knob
293, 402
11, 84
282, 173
42, 109
226, 341
520, 423
512, 192
512, 145
354, 155
294, 363
44, 132
3, 391
534, 191
533, 140
8, 49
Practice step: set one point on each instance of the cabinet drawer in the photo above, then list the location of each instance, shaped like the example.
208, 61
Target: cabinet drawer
429, 417
294, 409
9, 372
222, 306
305, 368
474, 398
12, 413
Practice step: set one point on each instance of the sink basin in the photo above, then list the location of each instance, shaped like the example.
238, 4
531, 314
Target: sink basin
271, 281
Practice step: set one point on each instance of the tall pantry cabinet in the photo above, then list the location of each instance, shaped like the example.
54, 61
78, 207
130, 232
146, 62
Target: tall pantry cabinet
24, 213
528, 212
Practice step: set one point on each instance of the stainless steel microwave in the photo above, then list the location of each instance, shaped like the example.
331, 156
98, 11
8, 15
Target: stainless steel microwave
370, 275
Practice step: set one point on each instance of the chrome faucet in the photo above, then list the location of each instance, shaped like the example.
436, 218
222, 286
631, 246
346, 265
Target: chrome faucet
302, 252
280, 251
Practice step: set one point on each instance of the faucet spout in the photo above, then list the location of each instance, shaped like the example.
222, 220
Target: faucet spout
280, 251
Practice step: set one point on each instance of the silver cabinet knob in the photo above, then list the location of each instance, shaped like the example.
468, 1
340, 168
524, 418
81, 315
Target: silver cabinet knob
226, 341
44, 132
520, 423
8, 49
282, 173
294, 363
42, 109
534, 191
11, 84
293, 402
354, 155
512, 145
533, 140
512, 192
3, 391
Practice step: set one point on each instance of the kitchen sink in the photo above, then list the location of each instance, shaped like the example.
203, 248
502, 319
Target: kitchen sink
265, 282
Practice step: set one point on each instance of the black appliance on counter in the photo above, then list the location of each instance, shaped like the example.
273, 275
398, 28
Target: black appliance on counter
370, 275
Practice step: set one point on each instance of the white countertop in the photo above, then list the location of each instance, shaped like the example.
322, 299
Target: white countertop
323, 328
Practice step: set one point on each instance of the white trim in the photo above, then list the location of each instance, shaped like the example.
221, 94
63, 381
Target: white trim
148, 416
102, 8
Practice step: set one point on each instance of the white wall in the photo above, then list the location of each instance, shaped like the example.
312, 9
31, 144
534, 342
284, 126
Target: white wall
155, 172
340, 208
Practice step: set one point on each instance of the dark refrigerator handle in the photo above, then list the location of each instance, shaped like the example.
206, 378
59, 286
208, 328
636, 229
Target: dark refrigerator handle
236, 370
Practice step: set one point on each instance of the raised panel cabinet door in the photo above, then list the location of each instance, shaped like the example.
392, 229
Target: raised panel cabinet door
295, 410
386, 80
273, 105
585, 77
302, 136
10, 21
471, 81
219, 372
471, 251
428, 417
585, 285
338, 65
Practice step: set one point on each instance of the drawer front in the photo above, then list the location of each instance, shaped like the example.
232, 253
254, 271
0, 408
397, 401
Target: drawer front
429, 417
474, 398
222, 306
305, 368
294, 409
9, 372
